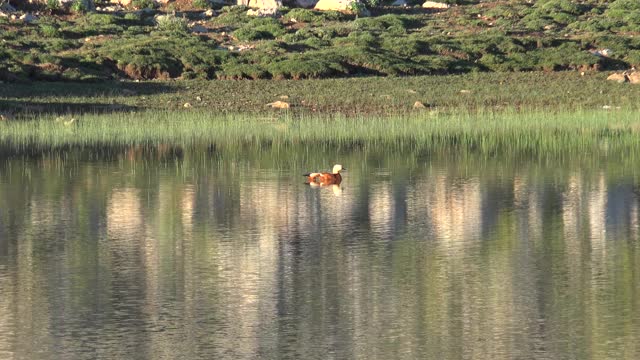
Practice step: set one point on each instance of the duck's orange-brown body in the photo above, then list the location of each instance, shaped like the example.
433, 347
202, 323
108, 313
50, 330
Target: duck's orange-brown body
326, 178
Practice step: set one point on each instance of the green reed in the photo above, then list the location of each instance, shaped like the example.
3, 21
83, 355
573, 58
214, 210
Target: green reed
484, 131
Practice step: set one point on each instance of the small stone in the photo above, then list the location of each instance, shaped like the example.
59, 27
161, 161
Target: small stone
284, 97
198, 98
465, 91
187, 105
209, 13
634, 77
279, 105
418, 105
619, 78
27, 18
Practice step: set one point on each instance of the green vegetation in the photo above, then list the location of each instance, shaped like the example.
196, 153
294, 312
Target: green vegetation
558, 91
482, 131
475, 36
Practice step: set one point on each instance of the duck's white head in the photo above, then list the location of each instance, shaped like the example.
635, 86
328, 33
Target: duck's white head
337, 168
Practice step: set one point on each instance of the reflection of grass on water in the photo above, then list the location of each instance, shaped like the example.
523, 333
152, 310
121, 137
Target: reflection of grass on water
533, 131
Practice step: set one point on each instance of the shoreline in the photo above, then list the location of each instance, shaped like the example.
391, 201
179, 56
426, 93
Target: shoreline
556, 91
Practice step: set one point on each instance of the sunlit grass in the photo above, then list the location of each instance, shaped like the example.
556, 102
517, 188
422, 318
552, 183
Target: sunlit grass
483, 131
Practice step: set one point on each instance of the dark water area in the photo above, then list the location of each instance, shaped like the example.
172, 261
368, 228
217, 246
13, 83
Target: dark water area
165, 253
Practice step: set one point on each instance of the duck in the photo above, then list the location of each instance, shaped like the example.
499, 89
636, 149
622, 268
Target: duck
326, 178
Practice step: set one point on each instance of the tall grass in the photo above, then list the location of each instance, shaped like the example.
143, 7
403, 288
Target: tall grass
482, 131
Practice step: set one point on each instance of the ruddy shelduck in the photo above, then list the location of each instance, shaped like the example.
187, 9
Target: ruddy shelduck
326, 178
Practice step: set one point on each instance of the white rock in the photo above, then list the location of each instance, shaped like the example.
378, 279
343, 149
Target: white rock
265, 4
273, 12
338, 5
113, 8
209, 13
435, 5
602, 52
400, 3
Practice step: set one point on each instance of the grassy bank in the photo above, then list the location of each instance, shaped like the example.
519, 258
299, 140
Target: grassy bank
556, 91
483, 131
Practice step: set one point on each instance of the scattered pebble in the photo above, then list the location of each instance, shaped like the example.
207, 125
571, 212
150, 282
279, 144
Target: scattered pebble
198, 98
187, 105
279, 105
419, 105
465, 91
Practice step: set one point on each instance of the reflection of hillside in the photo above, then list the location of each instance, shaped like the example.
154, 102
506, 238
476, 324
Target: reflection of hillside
207, 265
124, 215
382, 209
526, 200
7, 315
597, 209
455, 209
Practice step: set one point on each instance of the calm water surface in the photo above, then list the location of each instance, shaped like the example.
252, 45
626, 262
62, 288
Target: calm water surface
171, 254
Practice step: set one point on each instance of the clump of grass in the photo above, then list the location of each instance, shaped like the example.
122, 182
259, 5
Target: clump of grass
172, 24
52, 5
49, 30
232, 17
143, 4
200, 4
259, 29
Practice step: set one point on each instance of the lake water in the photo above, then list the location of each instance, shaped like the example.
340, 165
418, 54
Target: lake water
165, 253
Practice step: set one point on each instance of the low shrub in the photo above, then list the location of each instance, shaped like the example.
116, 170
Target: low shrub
260, 29
143, 4
172, 24
49, 31
200, 4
